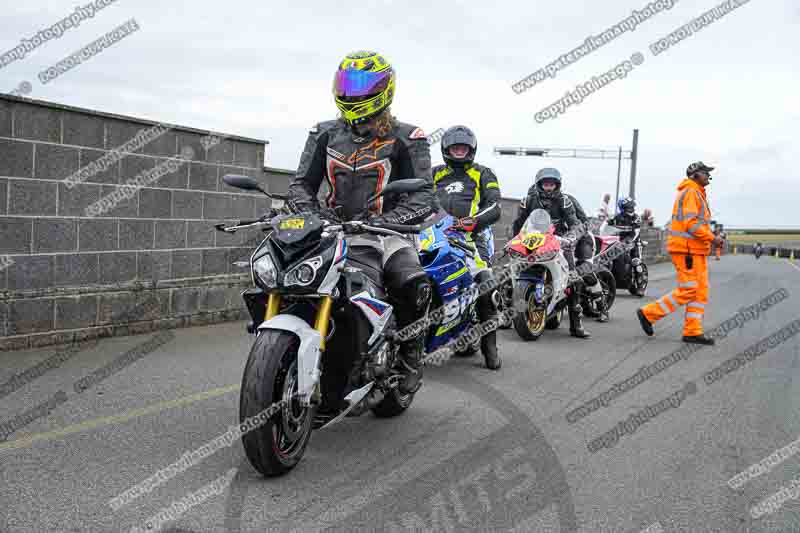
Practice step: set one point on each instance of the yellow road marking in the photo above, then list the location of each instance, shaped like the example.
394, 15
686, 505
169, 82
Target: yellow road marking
29, 439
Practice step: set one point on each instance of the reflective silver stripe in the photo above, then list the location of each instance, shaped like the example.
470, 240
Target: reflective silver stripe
680, 204
697, 225
493, 206
686, 216
663, 307
688, 284
671, 300
696, 304
681, 234
694, 315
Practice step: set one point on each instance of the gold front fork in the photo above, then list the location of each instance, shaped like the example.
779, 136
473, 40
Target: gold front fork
273, 305
323, 319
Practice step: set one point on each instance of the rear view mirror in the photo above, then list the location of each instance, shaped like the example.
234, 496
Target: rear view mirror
241, 182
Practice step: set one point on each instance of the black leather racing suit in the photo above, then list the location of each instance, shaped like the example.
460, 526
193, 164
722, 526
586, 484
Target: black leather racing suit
356, 166
633, 221
567, 224
559, 206
469, 190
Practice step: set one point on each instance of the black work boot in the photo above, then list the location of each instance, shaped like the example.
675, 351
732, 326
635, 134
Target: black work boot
489, 350
699, 339
410, 360
647, 326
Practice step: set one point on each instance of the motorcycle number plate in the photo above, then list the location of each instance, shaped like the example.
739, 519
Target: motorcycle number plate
293, 223
533, 241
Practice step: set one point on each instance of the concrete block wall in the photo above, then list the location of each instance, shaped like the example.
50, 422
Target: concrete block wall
63, 273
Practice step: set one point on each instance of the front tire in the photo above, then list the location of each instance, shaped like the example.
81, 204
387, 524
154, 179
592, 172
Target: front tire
270, 376
530, 324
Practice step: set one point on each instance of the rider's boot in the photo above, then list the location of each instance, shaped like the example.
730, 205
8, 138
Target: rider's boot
574, 311
487, 314
598, 298
411, 354
413, 301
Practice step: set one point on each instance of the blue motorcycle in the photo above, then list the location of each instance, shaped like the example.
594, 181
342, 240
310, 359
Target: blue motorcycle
443, 254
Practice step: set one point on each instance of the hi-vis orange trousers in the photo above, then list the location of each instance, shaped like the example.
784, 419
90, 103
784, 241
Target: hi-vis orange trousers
692, 291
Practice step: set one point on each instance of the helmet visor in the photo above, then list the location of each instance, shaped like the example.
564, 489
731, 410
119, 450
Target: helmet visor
355, 83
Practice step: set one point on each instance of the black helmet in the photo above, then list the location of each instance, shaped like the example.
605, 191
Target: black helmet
459, 135
626, 205
547, 174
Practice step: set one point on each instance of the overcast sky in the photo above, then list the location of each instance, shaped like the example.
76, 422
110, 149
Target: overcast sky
728, 95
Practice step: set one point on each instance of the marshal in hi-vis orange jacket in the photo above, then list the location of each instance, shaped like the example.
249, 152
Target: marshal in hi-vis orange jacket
689, 231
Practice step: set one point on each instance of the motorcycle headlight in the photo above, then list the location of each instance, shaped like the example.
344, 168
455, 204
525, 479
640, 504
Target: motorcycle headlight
304, 273
265, 271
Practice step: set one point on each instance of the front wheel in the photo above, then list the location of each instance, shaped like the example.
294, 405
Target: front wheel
270, 377
531, 323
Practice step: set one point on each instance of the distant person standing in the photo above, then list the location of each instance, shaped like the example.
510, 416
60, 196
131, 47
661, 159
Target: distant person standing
602, 211
689, 243
722, 236
647, 218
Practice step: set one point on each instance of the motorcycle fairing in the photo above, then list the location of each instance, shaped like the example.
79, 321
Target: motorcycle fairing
308, 354
331, 278
376, 312
447, 268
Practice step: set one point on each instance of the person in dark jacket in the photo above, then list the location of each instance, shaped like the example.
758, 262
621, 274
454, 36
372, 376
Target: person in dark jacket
357, 155
626, 217
470, 193
546, 194
584, 250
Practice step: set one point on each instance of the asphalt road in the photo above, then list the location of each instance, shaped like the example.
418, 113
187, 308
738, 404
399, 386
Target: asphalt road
477, 451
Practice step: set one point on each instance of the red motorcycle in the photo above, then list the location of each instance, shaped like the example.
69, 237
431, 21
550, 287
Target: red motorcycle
541, 284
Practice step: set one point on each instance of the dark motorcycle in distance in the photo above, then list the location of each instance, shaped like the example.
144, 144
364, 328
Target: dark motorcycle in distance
758, 250
322, 323
629, 272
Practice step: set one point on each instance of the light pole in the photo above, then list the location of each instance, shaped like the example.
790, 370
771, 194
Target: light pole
634, 159
582, 153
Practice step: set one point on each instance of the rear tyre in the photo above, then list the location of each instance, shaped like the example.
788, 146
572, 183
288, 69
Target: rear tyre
393, 404
270, 377
554, 322
639, 282
609, 287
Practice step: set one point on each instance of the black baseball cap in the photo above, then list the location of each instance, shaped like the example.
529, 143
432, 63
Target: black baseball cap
698, 166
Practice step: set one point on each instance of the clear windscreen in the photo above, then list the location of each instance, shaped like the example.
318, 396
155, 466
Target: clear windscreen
538, 222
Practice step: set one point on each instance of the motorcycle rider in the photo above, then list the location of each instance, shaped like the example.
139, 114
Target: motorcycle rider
626, 216
357, 154
758, 250
586, 245
470, 193
546, 194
